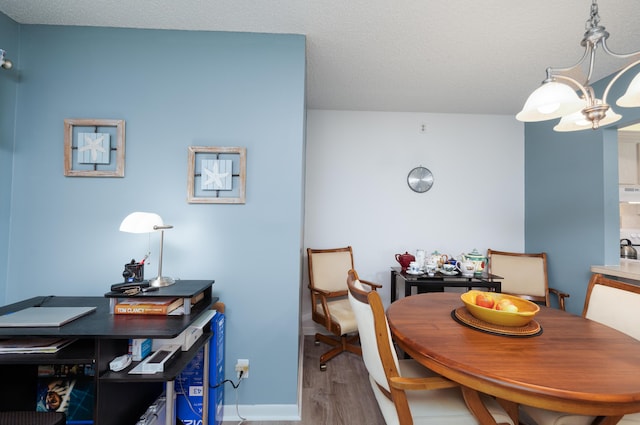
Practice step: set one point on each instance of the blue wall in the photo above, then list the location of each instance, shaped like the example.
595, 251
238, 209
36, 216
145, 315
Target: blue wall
571, 197
174, 89
9, 37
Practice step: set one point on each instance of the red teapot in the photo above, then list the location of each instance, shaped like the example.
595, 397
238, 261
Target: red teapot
405, 259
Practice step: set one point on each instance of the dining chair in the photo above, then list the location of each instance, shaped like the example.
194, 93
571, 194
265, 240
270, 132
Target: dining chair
329, 304
524, 275
615, 304
406, 391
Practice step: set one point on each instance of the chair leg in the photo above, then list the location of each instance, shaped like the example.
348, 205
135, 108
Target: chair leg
339, 344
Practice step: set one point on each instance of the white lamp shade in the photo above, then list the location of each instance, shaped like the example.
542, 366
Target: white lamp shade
550, 100
577, 121
141, 222
631, 98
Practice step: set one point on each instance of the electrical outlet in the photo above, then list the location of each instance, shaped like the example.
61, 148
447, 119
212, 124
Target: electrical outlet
242, 365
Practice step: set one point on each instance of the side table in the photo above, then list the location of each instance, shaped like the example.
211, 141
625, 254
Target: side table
439, 281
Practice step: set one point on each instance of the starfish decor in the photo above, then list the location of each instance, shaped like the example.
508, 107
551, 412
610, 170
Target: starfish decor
94, 142
213, 179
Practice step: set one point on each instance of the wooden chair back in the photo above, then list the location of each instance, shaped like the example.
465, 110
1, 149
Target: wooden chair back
613, 303
525, 275
329, 304
327, 268
379, 356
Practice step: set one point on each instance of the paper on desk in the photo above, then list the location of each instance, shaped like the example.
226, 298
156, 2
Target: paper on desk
33, 345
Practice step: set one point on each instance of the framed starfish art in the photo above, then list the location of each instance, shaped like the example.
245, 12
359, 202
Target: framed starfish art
93, 148
216, 175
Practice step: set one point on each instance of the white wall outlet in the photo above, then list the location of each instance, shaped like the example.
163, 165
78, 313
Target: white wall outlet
242, 365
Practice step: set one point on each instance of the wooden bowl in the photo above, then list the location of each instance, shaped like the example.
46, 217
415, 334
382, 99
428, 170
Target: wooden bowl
526, 309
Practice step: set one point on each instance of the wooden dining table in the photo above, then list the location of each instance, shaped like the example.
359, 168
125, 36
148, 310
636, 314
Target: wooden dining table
572, 365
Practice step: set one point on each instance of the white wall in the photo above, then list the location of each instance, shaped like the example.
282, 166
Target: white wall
357, 193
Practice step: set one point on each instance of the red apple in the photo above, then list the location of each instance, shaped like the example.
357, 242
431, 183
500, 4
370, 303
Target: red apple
486, 301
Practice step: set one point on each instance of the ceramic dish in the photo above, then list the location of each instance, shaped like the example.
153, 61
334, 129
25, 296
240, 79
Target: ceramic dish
413, 273
526, 309
451, 273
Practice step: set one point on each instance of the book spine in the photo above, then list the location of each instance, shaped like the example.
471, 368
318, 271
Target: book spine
197, 298
140, 309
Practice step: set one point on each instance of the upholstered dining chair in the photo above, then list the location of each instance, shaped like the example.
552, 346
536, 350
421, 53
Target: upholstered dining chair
329, 304
524, 275
615, 304
406, 392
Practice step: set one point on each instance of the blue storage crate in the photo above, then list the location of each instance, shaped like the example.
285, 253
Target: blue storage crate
189, 384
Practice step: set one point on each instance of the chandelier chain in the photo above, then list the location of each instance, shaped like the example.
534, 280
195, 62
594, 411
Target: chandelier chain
594, 18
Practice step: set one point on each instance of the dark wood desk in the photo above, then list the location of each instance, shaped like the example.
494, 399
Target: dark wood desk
576, 365
101, 336
437, 283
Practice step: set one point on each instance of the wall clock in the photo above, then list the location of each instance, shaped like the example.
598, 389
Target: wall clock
420, 179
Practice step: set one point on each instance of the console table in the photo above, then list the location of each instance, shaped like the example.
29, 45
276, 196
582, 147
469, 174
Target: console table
100, 336
439, 281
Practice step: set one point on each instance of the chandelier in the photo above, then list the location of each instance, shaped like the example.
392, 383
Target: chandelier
561, 96
4, 62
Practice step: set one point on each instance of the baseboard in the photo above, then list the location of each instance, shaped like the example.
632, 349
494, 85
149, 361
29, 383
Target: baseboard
262, 412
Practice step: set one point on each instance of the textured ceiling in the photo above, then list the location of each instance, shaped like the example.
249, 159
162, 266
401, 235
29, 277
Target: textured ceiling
450, 56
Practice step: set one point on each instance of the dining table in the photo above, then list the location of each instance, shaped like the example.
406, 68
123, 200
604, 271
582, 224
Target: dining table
570, 364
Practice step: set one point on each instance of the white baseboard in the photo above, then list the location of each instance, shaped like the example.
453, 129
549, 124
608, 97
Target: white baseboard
262, 412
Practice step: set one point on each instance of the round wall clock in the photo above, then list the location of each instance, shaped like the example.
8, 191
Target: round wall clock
420, 179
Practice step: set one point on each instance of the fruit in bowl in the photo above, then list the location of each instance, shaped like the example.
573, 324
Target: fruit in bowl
505, 310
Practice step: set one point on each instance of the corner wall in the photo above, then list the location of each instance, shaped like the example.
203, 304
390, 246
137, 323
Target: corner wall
174, 89
571, 204
10, 39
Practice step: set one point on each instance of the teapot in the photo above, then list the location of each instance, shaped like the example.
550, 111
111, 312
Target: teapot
438, 258
479, 260
405, 259
626, 250
466, 267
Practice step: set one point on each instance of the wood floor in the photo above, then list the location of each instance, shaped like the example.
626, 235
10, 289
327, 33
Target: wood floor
341, 395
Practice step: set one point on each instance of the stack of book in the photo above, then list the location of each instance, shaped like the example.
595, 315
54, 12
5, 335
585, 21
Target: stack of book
153, 305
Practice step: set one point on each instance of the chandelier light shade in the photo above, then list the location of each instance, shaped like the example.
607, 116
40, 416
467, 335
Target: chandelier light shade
575, 102
550, 100
577, 121
4, 62
145, 222
631, 98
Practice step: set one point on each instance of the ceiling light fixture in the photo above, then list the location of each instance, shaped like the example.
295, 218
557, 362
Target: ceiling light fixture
4, 62
557, 97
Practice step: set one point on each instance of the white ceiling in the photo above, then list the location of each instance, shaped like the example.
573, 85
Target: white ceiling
450, 56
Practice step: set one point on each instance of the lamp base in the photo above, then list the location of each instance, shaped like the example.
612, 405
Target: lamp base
161, 281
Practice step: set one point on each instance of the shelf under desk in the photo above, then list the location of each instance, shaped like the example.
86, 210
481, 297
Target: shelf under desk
185, 289
101, 336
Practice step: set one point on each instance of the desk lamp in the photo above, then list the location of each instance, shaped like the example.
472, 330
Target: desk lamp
144, 222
